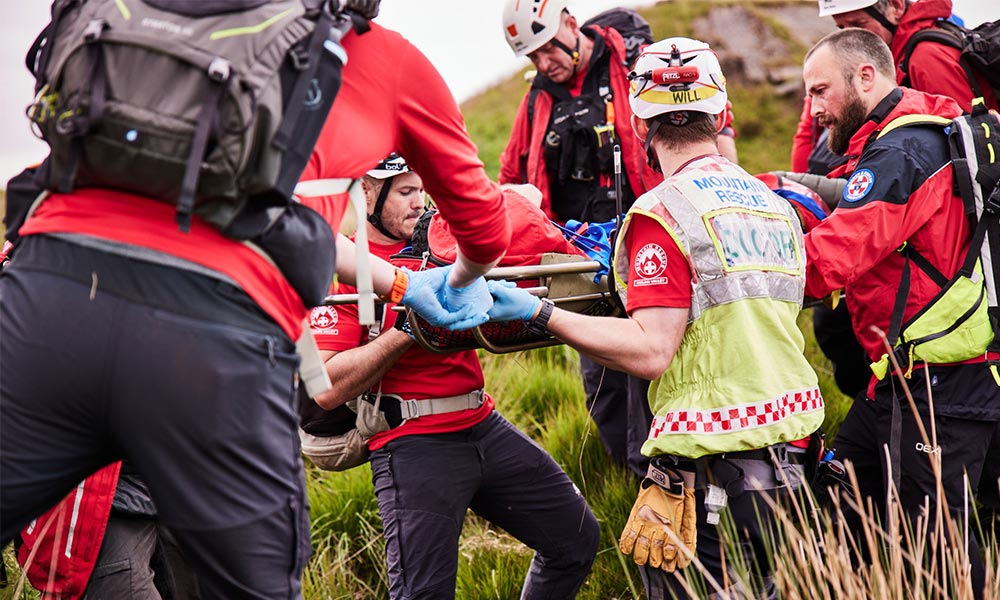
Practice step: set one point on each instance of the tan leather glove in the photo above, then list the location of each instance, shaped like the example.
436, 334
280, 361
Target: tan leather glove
661, 515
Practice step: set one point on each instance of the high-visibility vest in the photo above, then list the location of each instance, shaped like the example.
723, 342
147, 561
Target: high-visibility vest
739, 380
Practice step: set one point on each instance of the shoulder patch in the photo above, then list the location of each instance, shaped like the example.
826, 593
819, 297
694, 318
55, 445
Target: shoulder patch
859, 185
650, 262
323, 318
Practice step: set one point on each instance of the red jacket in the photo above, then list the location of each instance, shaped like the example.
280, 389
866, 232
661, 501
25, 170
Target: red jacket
60, 548
934, 68
900, 190
529, 137
393, 99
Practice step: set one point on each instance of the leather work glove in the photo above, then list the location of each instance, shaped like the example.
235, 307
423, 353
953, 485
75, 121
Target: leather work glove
511, 303
664, 506
425, 293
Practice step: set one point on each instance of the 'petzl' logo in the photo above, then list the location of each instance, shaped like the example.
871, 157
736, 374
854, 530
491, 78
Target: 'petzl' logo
859, 185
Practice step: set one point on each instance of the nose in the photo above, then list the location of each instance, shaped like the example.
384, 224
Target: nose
816, 108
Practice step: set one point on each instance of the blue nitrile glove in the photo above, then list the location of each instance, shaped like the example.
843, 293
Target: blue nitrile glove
425, 293
511, 303
475, 295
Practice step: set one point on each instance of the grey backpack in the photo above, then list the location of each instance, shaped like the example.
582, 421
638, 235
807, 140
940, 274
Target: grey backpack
213, 105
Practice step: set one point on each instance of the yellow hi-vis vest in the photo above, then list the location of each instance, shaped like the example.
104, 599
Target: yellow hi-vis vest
954, 326
739, 380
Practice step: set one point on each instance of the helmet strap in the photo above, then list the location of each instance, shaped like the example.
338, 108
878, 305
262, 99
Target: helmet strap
881, 19
651, 159
376, 217
574, 53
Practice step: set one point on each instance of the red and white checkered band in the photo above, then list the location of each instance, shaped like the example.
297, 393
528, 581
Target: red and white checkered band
736, 418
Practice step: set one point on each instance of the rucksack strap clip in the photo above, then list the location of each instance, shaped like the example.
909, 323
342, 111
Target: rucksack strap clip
219, 70
94, 30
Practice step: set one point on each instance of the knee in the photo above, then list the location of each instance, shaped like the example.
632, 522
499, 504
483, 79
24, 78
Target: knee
581, 550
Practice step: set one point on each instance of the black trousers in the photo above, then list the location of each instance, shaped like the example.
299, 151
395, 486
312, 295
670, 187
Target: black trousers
967, 446
619, 405
204, 410
426, 483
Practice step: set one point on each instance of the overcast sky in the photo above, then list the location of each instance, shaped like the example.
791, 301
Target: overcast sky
463, 39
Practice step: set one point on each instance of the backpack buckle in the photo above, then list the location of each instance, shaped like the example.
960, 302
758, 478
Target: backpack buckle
94, 29
992, 203
219, 70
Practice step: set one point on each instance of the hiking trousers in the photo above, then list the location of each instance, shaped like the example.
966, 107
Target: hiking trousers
426, 483
94, 369
965, 445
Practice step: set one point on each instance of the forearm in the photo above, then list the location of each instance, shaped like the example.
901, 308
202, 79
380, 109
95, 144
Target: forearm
466, 271
621, 344
383, 272
353, 372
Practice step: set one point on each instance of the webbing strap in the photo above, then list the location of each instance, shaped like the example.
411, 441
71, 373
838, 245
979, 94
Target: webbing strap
218, 73
324, 27
412, 409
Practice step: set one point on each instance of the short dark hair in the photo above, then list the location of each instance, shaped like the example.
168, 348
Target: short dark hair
700, 127
853, 46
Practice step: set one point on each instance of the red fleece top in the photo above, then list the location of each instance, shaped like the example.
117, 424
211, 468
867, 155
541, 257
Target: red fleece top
393, 99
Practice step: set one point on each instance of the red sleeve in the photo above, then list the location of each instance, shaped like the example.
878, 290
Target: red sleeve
433, 139
393, 99
802, 143
336, 328
517, 146
658, 273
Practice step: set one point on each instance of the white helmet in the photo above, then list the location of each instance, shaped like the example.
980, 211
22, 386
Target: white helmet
674, 75
530, 24
390, 166
828, 8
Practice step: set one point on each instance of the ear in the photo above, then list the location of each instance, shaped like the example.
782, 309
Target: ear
866, 76
639, 127
721, 118
895, 10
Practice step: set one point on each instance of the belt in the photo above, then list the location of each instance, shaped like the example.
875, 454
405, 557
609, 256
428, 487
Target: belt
398, 410
784, 452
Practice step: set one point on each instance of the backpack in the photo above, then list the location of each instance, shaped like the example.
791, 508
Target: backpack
634, 29
971, 295
214, 106
980, 50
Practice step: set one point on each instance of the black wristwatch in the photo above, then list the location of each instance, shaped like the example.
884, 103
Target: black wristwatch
540, 324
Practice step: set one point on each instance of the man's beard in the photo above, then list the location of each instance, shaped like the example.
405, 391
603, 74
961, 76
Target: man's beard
844, 128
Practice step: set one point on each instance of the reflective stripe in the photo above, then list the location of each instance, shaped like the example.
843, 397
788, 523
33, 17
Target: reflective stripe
740, 417
72, 522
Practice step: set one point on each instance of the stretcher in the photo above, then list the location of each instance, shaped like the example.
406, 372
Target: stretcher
571, 282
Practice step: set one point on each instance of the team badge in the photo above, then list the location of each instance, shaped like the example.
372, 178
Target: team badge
650, 263
323, 317
859, 185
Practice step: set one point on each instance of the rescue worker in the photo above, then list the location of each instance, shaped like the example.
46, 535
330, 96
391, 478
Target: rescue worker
931, 67
580, 70
121, 337
712, 321
447, 449
899, 232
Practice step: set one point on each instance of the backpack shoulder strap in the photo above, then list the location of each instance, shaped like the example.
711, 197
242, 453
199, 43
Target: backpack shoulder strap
943, 32
916, 119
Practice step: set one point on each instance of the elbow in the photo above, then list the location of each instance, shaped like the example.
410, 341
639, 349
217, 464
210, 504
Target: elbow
652, 367
330, 399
